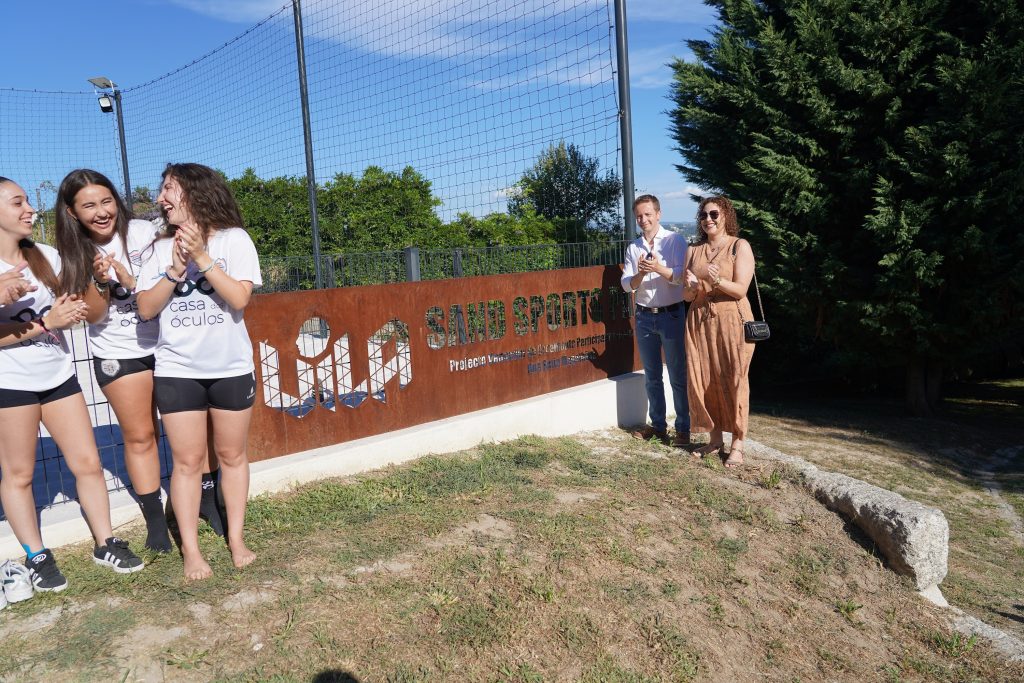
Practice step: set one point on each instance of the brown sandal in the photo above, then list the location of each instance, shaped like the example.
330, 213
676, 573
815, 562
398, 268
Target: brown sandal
735, 458
707, 449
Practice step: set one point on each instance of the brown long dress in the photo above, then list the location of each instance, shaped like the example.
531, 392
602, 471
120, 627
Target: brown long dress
717, 355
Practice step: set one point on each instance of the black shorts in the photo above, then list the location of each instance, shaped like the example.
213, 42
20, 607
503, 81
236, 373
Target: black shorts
108, 370
180, 394
10, 398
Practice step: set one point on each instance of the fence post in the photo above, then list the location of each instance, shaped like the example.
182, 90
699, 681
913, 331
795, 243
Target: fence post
412, 264
456, 263
307, 133
625, 116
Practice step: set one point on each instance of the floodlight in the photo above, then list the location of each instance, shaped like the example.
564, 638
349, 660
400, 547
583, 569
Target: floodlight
106, 104
103, 82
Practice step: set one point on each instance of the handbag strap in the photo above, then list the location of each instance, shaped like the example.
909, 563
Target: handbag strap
757, 289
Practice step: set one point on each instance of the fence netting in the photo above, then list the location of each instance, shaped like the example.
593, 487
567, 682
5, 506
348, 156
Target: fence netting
467, 92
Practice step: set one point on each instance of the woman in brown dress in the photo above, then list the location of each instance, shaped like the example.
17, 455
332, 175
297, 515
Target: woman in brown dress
719, 269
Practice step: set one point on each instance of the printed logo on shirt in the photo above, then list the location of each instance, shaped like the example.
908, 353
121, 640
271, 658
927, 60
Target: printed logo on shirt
27, 314
135, 257
119, 292
183, 289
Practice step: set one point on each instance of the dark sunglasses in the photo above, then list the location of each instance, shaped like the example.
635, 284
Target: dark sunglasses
703, 215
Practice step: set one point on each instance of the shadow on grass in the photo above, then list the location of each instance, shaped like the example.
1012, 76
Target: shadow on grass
334, 676
976, 421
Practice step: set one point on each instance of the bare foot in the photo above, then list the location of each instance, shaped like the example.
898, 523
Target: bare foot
241, 555
196, 568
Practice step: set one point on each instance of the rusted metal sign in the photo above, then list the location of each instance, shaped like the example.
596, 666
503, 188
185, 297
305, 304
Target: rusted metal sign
340, 364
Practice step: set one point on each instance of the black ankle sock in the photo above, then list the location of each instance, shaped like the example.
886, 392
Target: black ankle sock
208, 504
157, 538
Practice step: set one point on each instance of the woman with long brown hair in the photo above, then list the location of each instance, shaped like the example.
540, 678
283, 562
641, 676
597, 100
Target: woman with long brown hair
198, 282
718, 272
101, 247
38, 384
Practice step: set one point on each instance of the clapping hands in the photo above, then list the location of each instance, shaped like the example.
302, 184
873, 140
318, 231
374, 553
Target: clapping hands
13, 285
67, 310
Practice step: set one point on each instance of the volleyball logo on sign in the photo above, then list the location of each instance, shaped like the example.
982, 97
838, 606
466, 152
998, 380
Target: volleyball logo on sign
324, 371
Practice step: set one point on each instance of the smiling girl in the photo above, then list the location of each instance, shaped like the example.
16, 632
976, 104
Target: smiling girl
199, 281
101, 249
37, 383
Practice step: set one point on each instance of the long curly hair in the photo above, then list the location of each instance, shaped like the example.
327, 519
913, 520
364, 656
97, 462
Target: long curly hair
35, 259
76, 247
207, 198
728, 217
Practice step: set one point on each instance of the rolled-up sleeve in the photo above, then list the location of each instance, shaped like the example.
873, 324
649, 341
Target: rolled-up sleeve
678, 259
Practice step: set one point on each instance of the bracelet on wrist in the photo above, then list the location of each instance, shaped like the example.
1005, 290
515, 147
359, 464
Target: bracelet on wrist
208, 268
46, 330
176, 280
101, 287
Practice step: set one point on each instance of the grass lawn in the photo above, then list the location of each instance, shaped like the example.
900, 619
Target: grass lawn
593, 558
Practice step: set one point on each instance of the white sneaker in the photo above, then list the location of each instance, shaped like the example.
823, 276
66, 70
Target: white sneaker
17, 585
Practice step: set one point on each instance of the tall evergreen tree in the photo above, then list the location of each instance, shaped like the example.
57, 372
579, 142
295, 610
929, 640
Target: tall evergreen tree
875, 150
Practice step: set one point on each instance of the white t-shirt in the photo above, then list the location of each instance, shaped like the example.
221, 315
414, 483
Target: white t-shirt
201, 337
121, 335
44, 361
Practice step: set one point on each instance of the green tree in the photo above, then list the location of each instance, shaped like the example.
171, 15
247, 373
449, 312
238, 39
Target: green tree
566, 187
276, 213
874, 150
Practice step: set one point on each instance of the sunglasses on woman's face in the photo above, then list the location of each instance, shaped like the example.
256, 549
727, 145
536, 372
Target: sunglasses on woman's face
703, 215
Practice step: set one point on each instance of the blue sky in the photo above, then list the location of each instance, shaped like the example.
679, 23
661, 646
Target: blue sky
58, 44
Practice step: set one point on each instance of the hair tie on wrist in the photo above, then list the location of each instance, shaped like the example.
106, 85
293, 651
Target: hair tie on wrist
177, 280
208, 268
46, 329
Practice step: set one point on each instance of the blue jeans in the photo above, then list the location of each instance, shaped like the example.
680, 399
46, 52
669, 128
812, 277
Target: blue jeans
654, 332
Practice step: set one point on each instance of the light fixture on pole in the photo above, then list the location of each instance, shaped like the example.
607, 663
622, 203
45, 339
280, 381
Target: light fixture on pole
110, 102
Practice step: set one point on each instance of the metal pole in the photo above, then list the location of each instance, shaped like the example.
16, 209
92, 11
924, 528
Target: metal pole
412, 264
124, 149
307, 132
625, 117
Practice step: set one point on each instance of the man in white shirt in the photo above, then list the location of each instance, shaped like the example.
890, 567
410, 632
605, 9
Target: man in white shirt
653, 271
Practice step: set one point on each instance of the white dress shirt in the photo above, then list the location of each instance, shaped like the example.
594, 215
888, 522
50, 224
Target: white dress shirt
655, 290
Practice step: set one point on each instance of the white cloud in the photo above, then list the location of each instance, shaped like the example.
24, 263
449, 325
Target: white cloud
648, 67
463, 30
684, 193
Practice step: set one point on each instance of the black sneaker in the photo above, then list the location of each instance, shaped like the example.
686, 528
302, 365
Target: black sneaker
46, 577
118, 556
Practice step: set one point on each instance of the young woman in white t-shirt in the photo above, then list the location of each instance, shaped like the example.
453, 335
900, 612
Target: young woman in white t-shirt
38, 383
101, 249
199, 281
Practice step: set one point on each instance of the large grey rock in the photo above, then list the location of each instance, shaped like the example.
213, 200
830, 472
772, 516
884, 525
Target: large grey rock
914, 538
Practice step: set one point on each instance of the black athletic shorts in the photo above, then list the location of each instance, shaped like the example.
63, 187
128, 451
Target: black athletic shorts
180, 394
107, 370
9, 398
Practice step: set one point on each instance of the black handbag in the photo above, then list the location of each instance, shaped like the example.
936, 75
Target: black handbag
753, 330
